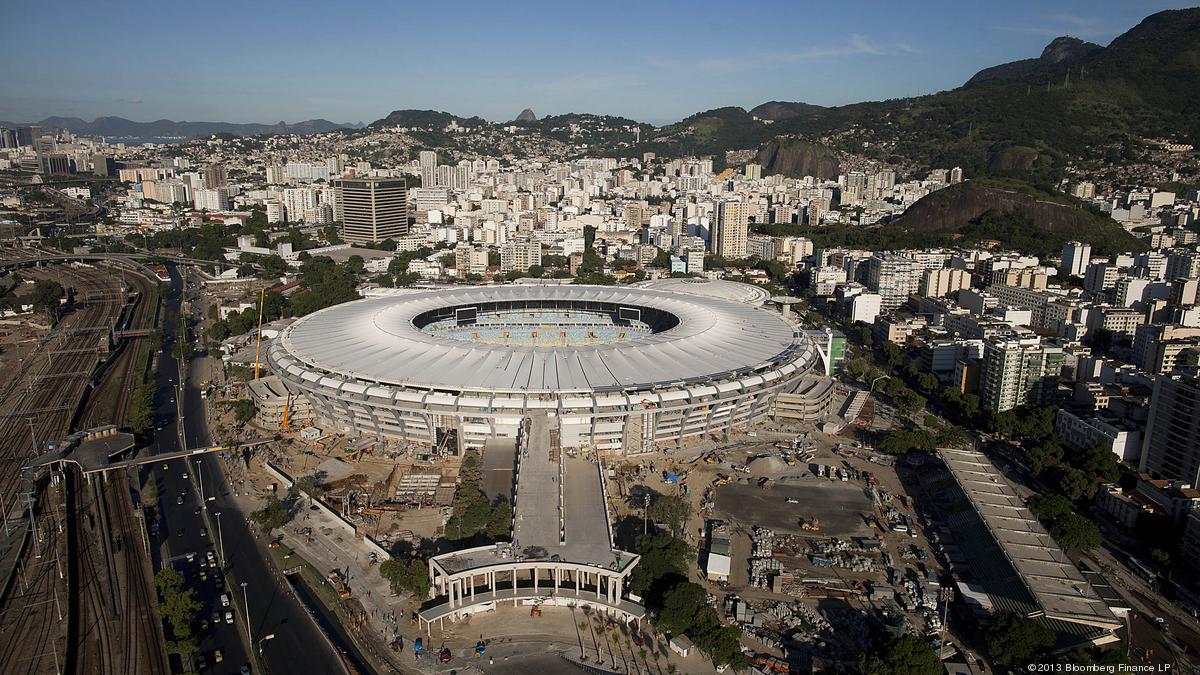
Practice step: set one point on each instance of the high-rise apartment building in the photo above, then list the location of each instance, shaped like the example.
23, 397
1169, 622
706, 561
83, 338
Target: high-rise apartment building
372, 209
945, 281
729, 229
1075, 258
216, 176
894, 277
1018, 370
297, 202
1171, 445
211, 199
520, 255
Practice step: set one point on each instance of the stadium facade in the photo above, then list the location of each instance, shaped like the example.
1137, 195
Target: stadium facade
615, 367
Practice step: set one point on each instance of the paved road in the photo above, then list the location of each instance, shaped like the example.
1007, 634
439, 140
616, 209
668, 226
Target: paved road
298, 645
179, 526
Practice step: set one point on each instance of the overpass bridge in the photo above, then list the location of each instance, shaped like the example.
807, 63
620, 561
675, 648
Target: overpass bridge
45, 258
99, 450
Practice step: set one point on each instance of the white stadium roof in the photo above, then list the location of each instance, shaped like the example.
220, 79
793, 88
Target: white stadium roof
375, 340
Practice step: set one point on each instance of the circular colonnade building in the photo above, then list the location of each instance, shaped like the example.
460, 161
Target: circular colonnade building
618, 368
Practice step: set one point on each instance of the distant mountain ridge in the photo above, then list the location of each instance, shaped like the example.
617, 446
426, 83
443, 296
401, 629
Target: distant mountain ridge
120, 127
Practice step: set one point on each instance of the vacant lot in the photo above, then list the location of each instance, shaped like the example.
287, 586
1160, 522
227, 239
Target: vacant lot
838, 505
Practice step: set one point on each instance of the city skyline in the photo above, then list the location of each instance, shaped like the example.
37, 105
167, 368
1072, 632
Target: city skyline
658, 65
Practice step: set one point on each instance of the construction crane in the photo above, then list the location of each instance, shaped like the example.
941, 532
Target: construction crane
262, 294
287, 407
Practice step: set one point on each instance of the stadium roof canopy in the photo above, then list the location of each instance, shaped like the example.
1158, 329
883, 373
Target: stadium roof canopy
1022, 566
376, 340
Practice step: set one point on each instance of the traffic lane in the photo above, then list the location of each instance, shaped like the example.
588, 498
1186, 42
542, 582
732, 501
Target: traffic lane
220, 635
298, 645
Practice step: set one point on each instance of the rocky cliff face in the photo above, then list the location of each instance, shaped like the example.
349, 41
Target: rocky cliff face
798, 158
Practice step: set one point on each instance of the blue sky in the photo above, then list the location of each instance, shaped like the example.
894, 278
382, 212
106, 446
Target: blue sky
262, 61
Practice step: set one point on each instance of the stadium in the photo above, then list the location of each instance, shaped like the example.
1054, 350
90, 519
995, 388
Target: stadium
617, 368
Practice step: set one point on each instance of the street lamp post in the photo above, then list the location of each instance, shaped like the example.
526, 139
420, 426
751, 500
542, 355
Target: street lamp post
881, 377
246, 608
220, 537
200, 480
263, 639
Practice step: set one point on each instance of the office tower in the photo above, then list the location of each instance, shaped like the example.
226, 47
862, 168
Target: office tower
372, 209
894, 277
1075, 258
275, 175
753, 171
215, 176
1019, 370
728, 230
1171, 446
956, 175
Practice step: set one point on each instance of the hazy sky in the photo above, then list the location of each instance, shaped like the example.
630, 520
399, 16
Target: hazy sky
655, 61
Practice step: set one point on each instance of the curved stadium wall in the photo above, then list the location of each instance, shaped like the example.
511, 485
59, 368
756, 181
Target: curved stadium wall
619, 368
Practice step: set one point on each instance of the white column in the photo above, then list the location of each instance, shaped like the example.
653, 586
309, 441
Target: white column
535, 580
472, 587
598, 577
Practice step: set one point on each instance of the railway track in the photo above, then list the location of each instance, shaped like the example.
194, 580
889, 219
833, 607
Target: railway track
117, 627
33, 621
41, 405
93, 610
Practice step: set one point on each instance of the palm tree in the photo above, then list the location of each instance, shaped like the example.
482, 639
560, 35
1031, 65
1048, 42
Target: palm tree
671, 669
599, 634
642, 653
657, 658
583, 626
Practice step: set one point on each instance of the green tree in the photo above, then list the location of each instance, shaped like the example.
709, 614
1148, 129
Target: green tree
1015, 641
1069, 529
908, 401
1043, 456
272, 516
670, 509
179, 607
411, 576
905, 655
500, 521
46, 296
140, 414
681, 605
662, 557
1076, 485
243, 410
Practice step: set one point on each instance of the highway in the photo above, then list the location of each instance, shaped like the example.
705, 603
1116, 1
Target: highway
298, 645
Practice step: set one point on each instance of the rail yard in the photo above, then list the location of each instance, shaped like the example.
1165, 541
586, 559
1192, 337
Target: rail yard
77, 594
